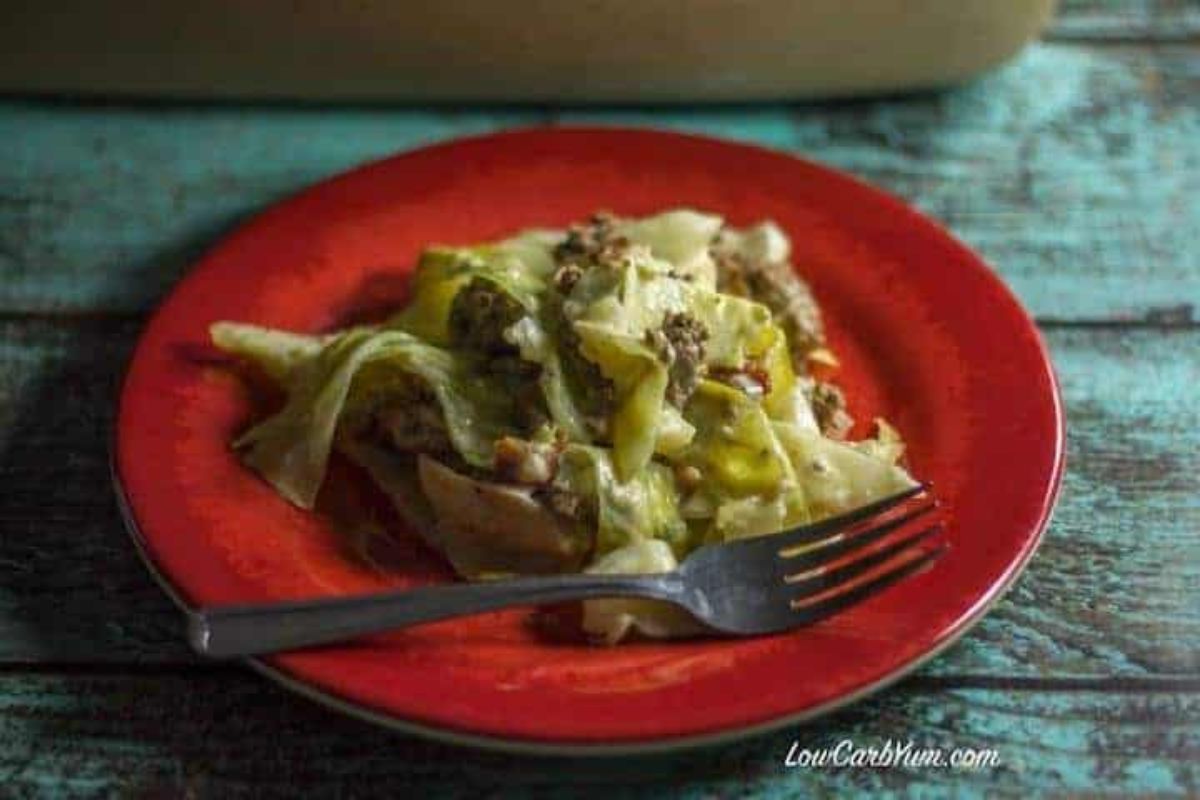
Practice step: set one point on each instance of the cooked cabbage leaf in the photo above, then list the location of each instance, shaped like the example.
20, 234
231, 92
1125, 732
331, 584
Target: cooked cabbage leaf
277, 353
643, 507
611, 620
537, 345
640, 383
519, 266
613, 310
739, 329
837, 476
291, 448
680, 238
763, 242
750, 485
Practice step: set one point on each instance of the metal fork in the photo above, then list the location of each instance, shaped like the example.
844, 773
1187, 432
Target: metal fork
745, 587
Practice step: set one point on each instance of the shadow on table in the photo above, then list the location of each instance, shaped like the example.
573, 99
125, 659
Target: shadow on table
74, 589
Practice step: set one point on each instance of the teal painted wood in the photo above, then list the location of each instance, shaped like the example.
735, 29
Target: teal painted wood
1038, 166
1141, 20
1115, 589
1075, 170
229, 735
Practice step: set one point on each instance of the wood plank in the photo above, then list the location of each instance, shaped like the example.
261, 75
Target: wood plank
231, 735
102, 207
1038, 166
1114, 590
1115, 587
1142, 20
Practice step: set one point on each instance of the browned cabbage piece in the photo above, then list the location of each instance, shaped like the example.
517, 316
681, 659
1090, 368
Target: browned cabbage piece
494, 528
482, 528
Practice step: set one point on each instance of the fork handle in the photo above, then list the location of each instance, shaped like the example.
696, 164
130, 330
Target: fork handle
245, 630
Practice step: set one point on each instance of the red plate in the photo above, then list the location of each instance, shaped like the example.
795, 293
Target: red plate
929, 338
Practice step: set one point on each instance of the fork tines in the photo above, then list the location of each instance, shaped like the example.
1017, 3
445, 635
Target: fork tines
813, 608
807, 534
838, 562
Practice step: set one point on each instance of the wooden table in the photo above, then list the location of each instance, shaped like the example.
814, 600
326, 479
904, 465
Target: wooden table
1075, 171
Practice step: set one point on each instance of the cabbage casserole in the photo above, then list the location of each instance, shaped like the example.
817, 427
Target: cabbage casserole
604, 399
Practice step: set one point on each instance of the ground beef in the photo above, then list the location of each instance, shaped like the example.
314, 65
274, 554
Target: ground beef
523, 461
829, 407
566, 276
592, 244
529, 402
511, 368
519, 381
568, 505
584, 242
614, 254
777, 286
413, 422
479, 315
679, 343
592, 391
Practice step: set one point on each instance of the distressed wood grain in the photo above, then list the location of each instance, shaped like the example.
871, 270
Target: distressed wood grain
1126, 20
1113, 591
1039, 166
1074, 171
231, 735
102, 207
